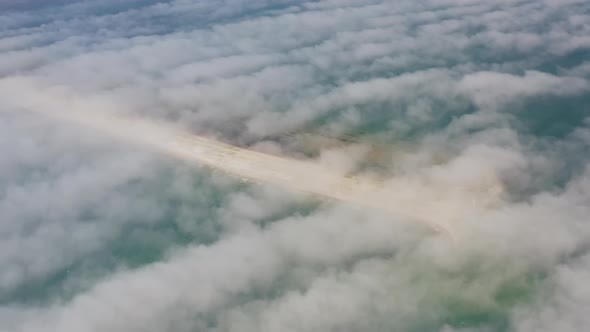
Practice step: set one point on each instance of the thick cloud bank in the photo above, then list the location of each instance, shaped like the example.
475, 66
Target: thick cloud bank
445, 96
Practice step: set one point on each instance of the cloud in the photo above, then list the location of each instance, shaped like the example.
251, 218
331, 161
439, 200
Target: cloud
98, 233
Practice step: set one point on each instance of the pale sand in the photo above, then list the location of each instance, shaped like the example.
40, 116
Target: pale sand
436, 206
441, 207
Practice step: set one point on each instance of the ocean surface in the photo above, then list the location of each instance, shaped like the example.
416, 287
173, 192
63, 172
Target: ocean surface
99, 234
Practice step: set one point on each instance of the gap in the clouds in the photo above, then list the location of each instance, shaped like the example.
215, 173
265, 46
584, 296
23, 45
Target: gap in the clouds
187, 216
295, 279
515, 291
188, 199
300, 209
51, 10
547, 126
556, 64
188, 20
552, 116
9, 6
134, 18
62, 13
381, 119
474, 295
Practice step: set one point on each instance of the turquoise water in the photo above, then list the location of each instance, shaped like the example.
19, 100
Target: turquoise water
80, 213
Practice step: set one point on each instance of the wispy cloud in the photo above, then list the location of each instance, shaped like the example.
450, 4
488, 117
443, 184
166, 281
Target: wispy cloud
460, 91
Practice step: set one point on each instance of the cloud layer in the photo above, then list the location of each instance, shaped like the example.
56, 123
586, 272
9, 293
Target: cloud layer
98, 234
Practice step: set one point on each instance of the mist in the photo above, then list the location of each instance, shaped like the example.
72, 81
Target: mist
467, 114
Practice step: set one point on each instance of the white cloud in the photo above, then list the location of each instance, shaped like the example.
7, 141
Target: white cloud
447, 78
491, 89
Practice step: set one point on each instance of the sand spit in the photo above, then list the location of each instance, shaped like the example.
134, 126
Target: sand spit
438, 206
